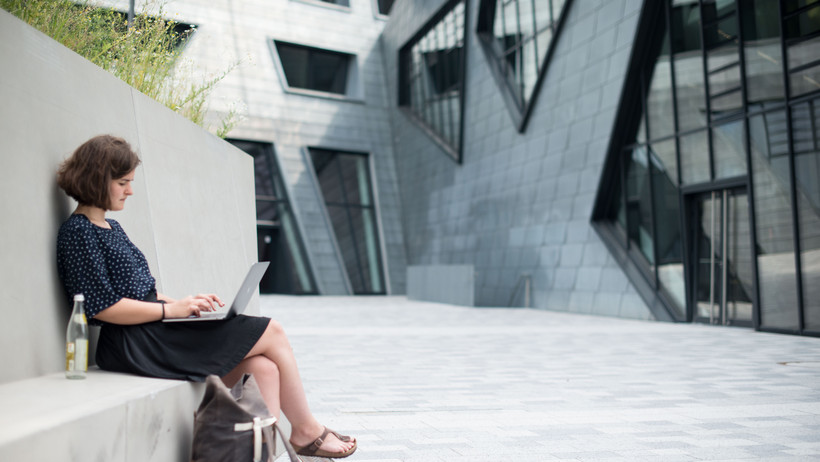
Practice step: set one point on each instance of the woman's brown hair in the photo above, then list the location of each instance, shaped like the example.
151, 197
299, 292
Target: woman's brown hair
85, 175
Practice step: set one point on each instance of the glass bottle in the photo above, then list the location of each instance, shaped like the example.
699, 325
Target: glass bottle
76, 347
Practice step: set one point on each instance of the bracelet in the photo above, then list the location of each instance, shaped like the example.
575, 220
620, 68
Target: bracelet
163, 309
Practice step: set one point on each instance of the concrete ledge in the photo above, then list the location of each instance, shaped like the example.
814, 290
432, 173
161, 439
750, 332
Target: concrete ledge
108, 416
453, 284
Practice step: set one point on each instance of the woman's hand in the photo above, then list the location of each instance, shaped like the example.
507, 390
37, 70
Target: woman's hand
192, 305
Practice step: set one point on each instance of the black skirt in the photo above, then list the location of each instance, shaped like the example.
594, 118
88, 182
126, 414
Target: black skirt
179, 350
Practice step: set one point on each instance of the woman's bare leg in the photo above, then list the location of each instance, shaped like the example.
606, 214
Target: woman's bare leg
274, 347
266, 374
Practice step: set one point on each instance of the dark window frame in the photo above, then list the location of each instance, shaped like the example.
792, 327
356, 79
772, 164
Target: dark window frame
267, 151
519, 107
378, 5
346, 205
350, 61
405, 95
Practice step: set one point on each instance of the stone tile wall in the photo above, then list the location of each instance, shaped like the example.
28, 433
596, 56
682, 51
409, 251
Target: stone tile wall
520, 203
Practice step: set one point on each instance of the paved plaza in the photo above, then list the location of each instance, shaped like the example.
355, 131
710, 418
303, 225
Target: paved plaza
427, 382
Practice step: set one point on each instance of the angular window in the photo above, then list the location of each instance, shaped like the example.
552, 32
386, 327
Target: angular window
763, 52
517, 37
711, 201
344, 179
431, 67
806, 136
384, 6
278, 238
688, 64
801, 30
315, 69
722, 52
337, 2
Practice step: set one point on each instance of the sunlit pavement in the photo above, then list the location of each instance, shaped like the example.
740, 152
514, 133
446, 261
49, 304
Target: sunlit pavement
417, 381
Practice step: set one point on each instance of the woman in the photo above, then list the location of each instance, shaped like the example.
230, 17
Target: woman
96, 258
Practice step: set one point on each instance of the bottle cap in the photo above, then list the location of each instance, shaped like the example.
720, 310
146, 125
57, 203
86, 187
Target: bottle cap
79, 298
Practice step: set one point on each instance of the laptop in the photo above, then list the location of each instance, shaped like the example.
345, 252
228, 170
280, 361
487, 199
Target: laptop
240, 302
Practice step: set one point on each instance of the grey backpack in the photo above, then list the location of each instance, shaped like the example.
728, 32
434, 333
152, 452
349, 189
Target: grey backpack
234, 425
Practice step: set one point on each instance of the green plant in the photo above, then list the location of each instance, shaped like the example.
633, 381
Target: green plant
147, 55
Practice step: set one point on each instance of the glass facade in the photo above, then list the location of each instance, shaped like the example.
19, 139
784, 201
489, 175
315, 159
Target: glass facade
806, 122
278, 238
313, 68
713, 189
344, 179
431, 81
517, 38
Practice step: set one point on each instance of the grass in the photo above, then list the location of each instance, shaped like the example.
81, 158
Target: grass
147, 55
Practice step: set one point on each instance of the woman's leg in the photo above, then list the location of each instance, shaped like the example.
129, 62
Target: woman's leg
266, 374
273, 346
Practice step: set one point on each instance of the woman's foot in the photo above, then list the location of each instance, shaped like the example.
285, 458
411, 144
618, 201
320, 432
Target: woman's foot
329, 444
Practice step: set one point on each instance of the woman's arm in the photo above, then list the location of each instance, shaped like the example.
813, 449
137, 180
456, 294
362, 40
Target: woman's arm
129, 311
165, 298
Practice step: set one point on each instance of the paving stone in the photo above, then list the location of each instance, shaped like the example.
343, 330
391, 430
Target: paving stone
418, 381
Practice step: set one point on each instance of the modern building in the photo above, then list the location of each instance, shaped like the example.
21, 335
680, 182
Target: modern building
655, 159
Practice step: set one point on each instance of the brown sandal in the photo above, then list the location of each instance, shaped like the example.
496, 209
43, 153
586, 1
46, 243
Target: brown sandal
312, 449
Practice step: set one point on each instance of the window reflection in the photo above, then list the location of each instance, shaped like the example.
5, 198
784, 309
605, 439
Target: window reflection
313, 68
729, 144
667, 224
638, 203
278, 236
688, 61
761, 48
694, 157
720, 33
803, 50
663, 153
432, 78
659, 99
344, 179
517, 34
806, 134
698, 65
775, 248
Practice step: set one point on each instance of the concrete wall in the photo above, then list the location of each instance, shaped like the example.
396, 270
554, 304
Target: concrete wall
453, 284
520, 203
193, 212
228, 32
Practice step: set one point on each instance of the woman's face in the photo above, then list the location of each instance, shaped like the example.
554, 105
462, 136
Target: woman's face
118, 191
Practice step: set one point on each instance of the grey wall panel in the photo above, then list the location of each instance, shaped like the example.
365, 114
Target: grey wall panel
192, 213
292, 121
520, 203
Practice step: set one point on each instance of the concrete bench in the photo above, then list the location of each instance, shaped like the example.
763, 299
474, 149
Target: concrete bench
108, 416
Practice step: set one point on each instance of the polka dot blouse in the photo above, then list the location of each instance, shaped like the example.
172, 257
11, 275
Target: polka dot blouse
102, 264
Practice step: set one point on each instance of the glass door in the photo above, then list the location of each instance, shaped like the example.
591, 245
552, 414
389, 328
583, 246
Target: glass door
721, 282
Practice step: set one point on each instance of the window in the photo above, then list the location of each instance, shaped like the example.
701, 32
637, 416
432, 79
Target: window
344, 179
339, 5
278, 238
385, 6
431, 68
337, 2
710, 198
517, 37
806, 127
317, 70
801, 30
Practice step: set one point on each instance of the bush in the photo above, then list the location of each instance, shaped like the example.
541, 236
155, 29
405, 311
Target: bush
146, 55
